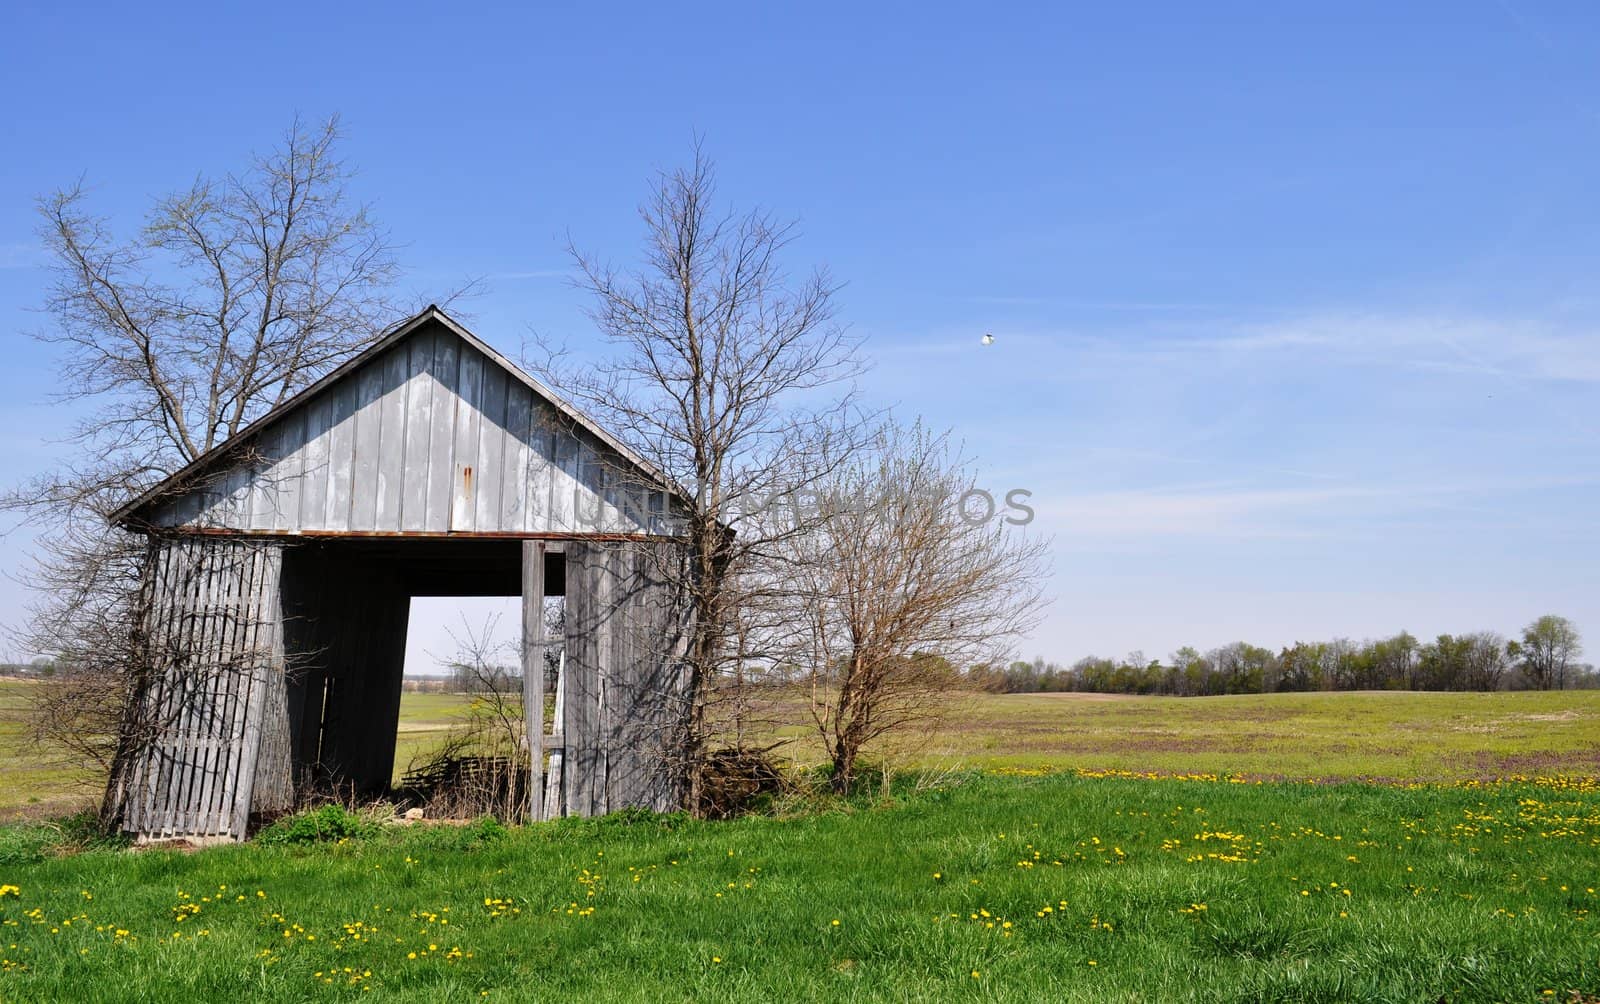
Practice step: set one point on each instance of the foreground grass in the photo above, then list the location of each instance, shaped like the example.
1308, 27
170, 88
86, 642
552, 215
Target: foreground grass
1048, 888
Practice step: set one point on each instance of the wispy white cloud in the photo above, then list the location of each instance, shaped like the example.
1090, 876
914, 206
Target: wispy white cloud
1119, 306
1198, 511
1512, 349
1210, 510
20, 255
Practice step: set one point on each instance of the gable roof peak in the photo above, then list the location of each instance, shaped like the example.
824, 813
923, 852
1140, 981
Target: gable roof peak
183, 479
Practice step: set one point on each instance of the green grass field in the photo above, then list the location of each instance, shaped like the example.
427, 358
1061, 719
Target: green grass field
1027, 865
1388, 735
35, 785
424, 720
998, 888
1410, 736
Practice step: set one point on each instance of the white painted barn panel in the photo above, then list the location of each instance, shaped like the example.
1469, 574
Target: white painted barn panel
442, 434
428, 434
385, 473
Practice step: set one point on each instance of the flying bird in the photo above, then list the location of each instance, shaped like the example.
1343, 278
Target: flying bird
988, 339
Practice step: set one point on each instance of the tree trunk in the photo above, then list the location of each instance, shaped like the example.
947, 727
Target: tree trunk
844, 770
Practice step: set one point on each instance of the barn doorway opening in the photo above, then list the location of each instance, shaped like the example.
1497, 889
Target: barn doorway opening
461, 748
459, 649
351, 607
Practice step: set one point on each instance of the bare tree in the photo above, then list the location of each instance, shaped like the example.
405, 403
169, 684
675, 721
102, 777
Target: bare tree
731, 379
1549, 650
904, 576
1487, 660
236, 293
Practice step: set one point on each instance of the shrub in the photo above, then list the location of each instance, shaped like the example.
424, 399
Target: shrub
327, 824
29, 842
479, 833
21, 845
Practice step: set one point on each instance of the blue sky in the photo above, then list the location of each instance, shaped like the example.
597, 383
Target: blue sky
1295, 310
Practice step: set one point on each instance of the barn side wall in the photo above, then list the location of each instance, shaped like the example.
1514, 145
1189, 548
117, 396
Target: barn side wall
274, 669
210, 660
626, 691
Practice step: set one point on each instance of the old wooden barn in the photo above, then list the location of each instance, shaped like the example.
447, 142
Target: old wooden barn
280, 569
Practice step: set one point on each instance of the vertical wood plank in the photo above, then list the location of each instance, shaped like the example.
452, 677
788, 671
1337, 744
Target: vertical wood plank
211, 675
314, 476
367, 445
417, 411
581, 718
469, 422
241, 685
541, 490
250, 579
442, 433
563, 472
533, 649
555, 788
590, 508
288, 474
263, 490
343, 400
619, 685
272, 764
514, 483
389, 476
266, 659
164, 614
491, 473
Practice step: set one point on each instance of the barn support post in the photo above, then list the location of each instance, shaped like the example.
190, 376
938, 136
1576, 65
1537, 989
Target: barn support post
555, 782
580, 725
533, 646
272, 789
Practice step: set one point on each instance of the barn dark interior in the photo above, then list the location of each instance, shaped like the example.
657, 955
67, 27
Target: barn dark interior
346, 603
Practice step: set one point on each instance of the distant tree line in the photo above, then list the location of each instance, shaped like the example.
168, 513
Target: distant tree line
1544, 657
41, 668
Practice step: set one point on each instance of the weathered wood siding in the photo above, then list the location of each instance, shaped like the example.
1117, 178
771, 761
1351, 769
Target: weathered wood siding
212, 646
282, 566
533, 649
428, 436
625, 682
